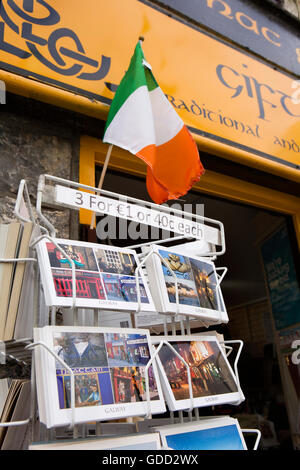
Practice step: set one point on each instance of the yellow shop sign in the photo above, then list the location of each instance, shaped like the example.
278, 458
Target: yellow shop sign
82, 49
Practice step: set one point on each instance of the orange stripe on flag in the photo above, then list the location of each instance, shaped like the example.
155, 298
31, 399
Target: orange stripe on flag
158, 193
173, 167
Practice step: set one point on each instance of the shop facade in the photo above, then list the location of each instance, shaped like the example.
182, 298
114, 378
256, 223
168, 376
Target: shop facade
231, 73
70, 143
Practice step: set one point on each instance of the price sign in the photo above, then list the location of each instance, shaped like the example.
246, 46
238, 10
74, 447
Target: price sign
138, 213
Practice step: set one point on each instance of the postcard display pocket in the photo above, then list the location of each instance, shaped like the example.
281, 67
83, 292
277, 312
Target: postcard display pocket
100, 373
104, 276
193, 278
195, 370
108, 366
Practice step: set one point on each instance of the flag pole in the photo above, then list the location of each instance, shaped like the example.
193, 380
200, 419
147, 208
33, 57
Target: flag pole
100, 184
93, 220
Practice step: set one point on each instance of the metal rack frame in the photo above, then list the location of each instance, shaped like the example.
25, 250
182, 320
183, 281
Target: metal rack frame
144, 257
3, 354
48, 231
65, 365
22, 196
71, 184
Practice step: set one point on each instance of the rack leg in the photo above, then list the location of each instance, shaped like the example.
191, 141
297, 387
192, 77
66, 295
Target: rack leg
75, 316
166, 326
188, 326
76, 432
53, 315
33, 424
97, 317
37, 320
43, 432
133, 320
98, 428
49, 435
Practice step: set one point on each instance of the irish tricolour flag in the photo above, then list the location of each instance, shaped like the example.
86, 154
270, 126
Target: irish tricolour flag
143, 121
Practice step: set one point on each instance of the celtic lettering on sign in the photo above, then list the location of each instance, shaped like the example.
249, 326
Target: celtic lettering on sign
23, 20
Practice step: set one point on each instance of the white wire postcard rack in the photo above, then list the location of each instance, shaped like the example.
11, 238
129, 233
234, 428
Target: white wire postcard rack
24, 212
111, 359
32, 346
225, 389
67, 193
147, 415
63, 193
206, 304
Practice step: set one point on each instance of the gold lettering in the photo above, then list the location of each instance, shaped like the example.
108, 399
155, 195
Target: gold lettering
267, 33
250, 23
225, 12
298, 54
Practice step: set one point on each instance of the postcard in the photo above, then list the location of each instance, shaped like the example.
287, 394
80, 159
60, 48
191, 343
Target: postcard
199, 294
104, 276
148, 442
212, 379
212, 434
109, 374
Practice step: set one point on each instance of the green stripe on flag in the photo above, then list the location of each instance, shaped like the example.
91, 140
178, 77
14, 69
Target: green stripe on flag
136, 76
151, 82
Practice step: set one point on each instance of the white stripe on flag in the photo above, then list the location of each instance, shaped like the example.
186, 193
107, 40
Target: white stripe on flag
167, 123
132, 127
144, 119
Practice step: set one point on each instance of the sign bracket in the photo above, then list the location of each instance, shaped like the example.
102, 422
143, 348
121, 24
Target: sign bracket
182, 224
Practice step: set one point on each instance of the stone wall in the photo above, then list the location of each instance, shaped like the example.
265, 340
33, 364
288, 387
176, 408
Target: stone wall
36, 138
28, 149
